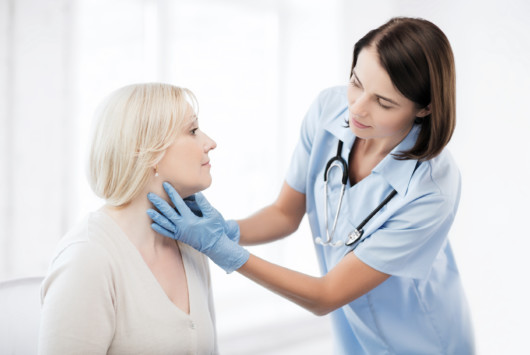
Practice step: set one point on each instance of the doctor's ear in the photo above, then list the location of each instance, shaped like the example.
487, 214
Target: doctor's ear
424, 112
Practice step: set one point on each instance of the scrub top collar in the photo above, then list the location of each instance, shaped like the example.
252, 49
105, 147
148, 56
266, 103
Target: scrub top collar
399, 172
396, 172
337, 127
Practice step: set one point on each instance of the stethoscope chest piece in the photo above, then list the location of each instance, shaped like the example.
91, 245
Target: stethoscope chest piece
354, 236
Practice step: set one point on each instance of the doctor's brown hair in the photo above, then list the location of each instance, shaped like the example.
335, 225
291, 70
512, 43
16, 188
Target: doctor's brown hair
418, 58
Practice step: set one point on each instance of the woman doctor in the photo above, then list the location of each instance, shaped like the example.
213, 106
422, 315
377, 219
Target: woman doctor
389, 278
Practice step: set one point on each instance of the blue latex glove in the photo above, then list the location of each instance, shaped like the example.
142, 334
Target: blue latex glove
205, 234
232, 230
231, 227
192, 205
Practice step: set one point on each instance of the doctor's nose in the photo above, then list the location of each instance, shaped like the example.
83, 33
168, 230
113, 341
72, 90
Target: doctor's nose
359, 106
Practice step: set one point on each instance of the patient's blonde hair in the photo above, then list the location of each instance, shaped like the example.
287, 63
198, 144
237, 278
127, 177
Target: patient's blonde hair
134, 127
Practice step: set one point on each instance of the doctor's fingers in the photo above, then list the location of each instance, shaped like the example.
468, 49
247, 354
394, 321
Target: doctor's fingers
178, 202
161, 220
205, 206
163, 231
193, 206
164, 207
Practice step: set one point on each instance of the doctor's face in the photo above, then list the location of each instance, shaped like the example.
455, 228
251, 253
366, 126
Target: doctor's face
186, 164
377, 110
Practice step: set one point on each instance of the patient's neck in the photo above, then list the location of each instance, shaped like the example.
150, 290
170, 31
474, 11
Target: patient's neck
136, 224
161, 254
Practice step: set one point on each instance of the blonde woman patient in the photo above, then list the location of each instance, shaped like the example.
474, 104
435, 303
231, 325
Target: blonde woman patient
114, 285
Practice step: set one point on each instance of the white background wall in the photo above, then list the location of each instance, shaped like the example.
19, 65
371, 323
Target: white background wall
255, 67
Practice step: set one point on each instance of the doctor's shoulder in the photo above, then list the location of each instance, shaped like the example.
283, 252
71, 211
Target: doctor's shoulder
333, 98
329, 105
441, 176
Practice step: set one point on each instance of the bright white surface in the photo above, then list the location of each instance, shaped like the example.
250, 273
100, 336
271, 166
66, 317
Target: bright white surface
20, 310
255, 67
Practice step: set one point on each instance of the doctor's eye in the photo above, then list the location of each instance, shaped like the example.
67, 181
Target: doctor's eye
383, 106
355, 83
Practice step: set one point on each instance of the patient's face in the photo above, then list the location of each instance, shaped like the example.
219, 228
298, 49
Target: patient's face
186, 164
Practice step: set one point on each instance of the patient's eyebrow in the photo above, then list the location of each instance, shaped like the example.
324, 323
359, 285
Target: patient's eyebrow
193, 120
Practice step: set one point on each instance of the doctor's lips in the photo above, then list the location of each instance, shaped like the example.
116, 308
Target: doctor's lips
358, 124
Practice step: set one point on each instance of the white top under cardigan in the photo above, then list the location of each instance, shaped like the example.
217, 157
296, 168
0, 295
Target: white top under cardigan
100, 297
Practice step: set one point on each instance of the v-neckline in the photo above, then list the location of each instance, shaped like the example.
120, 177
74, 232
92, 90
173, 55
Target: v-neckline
136, 253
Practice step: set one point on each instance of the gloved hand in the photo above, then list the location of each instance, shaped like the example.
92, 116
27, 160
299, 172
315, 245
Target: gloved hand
232, 230
192, 205
206, 234
231, 227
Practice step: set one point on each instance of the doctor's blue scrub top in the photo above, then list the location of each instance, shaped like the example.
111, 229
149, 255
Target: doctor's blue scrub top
421, 308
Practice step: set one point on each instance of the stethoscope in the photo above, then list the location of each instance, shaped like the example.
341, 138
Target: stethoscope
338, 162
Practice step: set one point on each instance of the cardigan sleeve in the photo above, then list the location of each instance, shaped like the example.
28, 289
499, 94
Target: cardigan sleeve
78, 313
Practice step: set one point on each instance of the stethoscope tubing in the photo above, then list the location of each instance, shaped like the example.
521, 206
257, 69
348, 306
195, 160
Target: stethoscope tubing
357, 233
329, 236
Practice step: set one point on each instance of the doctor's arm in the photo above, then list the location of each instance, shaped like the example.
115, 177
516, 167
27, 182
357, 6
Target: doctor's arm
348, 280
275, 221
